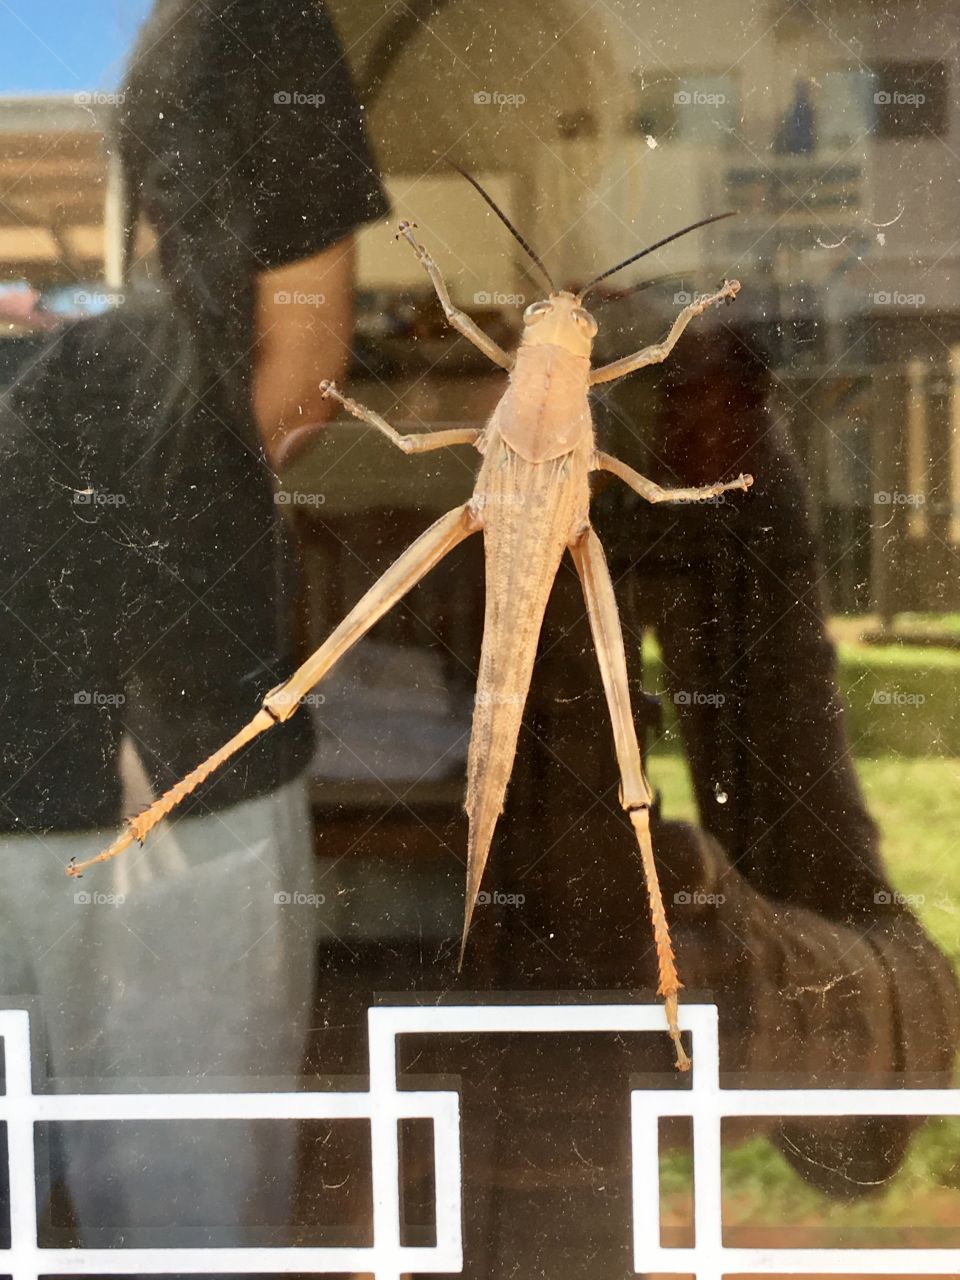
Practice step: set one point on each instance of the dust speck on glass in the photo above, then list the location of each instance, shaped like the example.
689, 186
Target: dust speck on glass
428, 579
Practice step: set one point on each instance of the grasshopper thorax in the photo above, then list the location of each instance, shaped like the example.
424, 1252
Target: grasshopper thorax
559, 321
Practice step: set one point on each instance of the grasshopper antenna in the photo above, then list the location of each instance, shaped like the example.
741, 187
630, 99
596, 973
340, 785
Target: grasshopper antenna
527, 248
717, 217
653, 283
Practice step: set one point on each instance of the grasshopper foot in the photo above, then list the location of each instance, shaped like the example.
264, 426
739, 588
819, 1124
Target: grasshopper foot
671, 1006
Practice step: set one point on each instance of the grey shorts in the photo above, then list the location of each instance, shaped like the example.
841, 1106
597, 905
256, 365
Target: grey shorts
185, 965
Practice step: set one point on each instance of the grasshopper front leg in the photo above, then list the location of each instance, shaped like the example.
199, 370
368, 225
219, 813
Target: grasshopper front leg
660, 350
460, 321
635, 795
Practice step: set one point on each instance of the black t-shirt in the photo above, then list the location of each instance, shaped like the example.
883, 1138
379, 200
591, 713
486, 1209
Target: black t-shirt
147, 580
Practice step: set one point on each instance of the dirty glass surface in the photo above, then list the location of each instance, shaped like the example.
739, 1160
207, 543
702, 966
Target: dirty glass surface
198, 213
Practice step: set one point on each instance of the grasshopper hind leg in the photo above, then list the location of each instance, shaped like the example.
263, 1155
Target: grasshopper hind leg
635, 795
280, 703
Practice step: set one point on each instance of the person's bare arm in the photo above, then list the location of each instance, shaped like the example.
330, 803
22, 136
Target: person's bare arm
304, 322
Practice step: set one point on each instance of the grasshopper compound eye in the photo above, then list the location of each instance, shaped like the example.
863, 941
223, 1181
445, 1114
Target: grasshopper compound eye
586, 321
536, 311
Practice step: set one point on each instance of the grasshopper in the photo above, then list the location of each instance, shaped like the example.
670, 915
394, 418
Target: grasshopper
532, 503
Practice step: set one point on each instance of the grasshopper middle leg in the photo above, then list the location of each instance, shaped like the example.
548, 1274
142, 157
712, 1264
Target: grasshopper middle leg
654, 492
635, 795
420, 443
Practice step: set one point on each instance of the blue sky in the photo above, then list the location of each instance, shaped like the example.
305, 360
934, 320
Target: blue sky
49, 46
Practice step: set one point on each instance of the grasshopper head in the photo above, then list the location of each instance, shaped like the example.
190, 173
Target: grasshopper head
561, 321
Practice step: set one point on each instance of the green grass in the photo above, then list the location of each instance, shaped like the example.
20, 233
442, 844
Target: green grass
916, 804
761, 1191
941, 623
900, 699
908, 760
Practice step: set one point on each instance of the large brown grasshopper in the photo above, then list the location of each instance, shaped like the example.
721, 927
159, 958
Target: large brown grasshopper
532, 502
